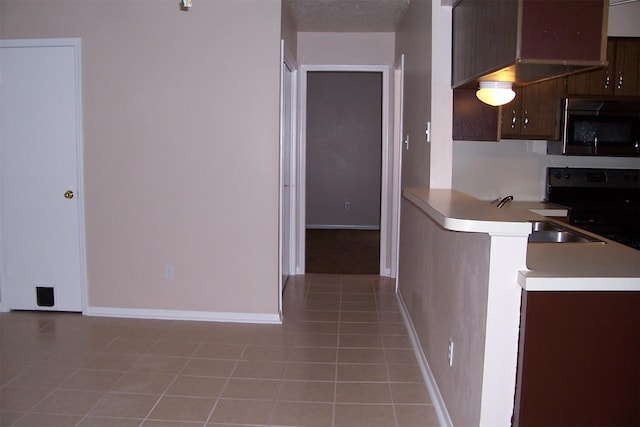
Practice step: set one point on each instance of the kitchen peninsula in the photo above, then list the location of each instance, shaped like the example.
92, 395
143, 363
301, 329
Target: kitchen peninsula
478, 262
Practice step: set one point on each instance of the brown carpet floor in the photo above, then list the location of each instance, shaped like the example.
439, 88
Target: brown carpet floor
343, 251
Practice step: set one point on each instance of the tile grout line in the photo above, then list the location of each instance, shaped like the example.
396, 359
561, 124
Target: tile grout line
337, 359
163, 394
124, 374
226, 383
27, 367
386, 361
96, 352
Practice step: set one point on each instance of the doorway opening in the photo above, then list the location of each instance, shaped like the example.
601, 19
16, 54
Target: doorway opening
343, 251
344, 161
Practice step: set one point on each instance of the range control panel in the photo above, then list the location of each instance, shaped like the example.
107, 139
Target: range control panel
593, 178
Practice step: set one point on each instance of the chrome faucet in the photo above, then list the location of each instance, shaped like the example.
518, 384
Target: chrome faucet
504, 200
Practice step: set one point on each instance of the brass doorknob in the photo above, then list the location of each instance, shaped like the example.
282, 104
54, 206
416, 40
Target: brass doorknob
68, 194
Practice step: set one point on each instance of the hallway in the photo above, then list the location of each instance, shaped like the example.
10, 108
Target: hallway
342, 357
330, 251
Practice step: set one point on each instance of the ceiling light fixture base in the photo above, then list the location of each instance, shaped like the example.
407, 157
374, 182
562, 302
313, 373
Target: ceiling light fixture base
495, 93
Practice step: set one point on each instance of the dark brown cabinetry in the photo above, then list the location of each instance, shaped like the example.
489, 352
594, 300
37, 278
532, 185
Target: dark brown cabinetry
533, 114
532, 43
620, 77
535, 111
527, 40
579, 362
474, 120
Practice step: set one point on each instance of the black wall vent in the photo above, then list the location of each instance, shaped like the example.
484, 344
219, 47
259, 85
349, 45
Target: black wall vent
45, 296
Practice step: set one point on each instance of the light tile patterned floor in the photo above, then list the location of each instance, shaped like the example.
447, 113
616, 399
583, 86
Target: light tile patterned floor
342, 358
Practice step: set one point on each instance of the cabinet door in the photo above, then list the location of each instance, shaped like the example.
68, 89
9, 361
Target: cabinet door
511, 117
541, 109
472, 119
598, 82
535, 112
579, 363
627, 67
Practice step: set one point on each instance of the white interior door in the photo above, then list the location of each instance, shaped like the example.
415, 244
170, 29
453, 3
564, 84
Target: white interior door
286, 172
398, 143
40, 154
287, 153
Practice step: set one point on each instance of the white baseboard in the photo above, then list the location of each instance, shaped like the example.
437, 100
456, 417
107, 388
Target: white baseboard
205, 316
441, 410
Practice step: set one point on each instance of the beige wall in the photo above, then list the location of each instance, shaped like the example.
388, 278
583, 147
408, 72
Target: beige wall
346, 48
180, 146
413, 39
288, 31
444, 278
440, 171
343, 150
623, 19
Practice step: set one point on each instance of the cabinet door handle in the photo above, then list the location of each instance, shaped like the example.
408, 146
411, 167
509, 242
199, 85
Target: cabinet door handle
513, 119
620, 82
525, 122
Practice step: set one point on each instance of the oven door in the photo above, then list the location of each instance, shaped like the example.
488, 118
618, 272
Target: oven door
613, 213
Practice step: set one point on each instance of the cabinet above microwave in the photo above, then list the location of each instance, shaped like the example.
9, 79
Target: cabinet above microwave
621, 76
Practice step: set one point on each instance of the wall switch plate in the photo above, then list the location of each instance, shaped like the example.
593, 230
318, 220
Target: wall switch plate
169, 272
347, 205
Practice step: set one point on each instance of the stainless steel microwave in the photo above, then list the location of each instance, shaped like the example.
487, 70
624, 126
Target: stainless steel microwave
597, 127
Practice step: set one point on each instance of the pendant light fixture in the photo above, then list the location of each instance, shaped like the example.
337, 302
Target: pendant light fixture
495, 93
185, 4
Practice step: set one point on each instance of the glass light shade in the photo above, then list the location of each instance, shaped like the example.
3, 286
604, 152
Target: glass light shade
495, 93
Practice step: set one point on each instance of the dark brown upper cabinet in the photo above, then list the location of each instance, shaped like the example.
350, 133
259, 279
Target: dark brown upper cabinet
535, 111
533, 114
620, 76
474, 120
524, 41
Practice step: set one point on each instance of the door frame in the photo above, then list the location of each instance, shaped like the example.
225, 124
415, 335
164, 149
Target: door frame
76, 44
386, 228
287, 62
398, 142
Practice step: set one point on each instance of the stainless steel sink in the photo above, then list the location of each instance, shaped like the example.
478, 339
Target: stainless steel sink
541, 226
550, 232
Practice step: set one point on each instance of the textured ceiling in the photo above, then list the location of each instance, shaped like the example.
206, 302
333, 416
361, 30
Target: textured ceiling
347, 15
357, 15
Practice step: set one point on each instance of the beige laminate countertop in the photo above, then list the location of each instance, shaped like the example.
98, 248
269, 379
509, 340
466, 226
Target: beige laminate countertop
457, 211
540, 208
607, 266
